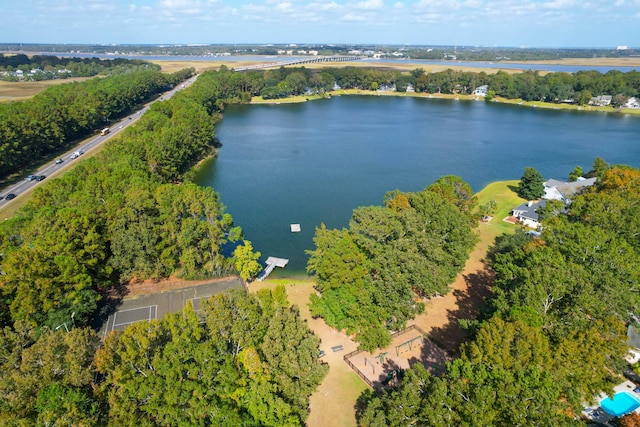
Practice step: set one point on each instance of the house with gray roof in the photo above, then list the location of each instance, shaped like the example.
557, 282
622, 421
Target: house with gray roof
527, 214
562, 190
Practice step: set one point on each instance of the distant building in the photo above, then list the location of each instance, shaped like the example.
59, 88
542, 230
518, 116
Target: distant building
632, 103
480, 90
601, 101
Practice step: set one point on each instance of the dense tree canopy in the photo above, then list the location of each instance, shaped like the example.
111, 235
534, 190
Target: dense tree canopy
252, 362
126, 214
555, 332
369, 275
51, 67
65, 113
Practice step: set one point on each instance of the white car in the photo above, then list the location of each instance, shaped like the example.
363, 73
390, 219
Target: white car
77, 154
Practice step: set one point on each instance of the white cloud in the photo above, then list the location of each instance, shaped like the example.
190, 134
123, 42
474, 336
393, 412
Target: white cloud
370, 5
559, 4
283, 7
398, 5
439, 6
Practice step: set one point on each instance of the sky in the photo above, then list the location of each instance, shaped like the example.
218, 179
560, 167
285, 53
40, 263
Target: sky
503, 23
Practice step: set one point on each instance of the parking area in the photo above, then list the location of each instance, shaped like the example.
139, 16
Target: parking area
144, 308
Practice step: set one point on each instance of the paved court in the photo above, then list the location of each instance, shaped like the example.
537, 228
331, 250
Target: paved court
143, 308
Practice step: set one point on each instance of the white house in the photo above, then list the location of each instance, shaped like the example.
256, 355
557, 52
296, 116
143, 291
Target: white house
632, 103
480, 91
527, 214
562, 190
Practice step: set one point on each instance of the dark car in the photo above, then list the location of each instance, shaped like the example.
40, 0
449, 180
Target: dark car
10, 196
40, 177
59, 161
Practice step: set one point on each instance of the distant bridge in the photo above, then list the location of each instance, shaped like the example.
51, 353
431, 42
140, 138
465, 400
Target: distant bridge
300, 61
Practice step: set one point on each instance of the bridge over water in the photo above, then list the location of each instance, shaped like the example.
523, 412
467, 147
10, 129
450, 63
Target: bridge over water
300, 61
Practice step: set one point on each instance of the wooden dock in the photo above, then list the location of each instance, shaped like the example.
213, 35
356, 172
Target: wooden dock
272, 262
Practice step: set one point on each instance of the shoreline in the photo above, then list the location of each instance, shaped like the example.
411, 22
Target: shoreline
256, 100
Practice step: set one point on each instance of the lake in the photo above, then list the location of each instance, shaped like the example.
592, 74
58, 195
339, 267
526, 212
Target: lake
314, 162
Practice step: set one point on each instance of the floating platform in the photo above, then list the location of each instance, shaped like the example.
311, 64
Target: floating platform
295, 228
272, 262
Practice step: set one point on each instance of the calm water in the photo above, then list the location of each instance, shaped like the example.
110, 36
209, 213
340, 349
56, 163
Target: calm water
315, 162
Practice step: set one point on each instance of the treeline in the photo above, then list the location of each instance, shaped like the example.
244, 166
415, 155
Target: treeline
241, 360
369, 277
528, 85
127, 213
64, 113
52, 67
554, 335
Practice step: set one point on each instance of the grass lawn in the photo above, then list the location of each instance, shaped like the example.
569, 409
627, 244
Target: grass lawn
504, 194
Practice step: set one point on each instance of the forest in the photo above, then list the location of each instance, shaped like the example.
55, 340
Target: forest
63, 114
554, 333
576, 88
50, 67
131, 213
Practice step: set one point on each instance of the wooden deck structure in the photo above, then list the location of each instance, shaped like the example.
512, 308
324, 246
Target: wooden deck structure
272, 262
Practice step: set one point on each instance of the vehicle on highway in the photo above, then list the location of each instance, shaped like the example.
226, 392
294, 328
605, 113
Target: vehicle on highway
59, 161
105, 131
77, 154
10, 196
31, 177
40, 177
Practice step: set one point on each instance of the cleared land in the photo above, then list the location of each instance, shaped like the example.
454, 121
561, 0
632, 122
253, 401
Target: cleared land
17, 91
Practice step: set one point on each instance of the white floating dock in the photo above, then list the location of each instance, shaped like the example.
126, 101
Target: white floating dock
272, 262
295, 228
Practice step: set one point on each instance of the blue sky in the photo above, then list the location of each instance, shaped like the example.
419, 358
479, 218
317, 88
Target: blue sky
530, 23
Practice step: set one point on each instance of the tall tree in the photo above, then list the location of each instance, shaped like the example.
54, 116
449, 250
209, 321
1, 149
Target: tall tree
531, 184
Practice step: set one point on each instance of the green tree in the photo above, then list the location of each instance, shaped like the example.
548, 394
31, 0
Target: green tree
599, 168
247, 260
531, 184
575, 174
46, 376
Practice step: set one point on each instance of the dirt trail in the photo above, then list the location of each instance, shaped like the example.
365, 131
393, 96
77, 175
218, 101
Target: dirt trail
466, 296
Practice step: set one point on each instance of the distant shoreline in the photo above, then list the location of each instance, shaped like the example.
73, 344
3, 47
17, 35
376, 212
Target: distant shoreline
256, 100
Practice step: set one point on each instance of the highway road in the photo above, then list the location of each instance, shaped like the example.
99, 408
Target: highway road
85, 147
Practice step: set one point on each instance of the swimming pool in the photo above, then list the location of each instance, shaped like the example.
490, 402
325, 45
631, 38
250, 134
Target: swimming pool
622, 403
